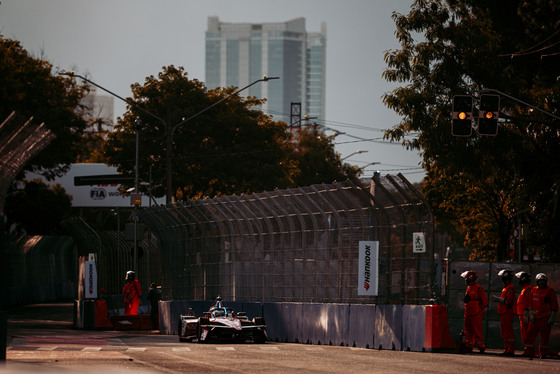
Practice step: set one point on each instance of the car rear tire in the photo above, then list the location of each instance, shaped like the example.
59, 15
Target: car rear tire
179, 328
201, 321
258, 336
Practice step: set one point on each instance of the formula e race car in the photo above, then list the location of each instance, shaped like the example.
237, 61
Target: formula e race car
221, 323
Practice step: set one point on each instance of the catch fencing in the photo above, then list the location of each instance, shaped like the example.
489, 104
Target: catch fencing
297, 245
114, 257
37, 269
20, 140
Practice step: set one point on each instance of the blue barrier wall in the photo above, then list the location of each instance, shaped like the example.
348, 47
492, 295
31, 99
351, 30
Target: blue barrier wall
40, 293
361, 325
388, 327
413, 327
399, 327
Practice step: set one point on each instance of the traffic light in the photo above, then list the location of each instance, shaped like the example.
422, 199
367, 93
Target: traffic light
488, 115
462, 115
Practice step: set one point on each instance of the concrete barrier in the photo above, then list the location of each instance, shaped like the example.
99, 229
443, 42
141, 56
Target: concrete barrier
84, 314
169, 312
361, 325
314, 323
388, 327
25, 295
3, 337
282, 321
252, 310
396, 327
413, 328
337, 324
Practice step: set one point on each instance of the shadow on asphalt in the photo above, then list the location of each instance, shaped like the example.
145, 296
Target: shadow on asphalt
51, 316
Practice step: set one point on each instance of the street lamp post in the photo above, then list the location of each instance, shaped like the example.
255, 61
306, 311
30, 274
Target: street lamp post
366, 165
137, 127
354, 153
171, 132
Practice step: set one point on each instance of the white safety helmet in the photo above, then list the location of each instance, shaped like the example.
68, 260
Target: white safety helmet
506, 273
523, 277
469, 275
541, 276
542, 281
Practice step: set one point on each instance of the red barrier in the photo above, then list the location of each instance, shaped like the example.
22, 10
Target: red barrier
437, 328
132, 322
101, 315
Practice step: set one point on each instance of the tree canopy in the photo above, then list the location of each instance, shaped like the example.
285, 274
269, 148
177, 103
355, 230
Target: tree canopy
229, 149
29, 87
317, 160
38, 209
483, 185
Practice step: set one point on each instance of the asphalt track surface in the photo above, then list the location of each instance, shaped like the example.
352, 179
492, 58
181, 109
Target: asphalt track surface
41, 339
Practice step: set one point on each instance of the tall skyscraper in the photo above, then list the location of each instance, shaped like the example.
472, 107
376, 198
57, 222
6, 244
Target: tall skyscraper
100, 110
238, 54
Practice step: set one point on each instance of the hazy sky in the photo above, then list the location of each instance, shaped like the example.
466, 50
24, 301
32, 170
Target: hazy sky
121, 42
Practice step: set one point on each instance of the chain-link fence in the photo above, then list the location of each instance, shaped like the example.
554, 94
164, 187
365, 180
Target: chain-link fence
37, 269
20, 140
114, 255
297, 244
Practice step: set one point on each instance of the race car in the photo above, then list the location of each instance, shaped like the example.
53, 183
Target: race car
221, 323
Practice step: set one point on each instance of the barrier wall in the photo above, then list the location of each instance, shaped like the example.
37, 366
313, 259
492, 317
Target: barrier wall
396, 327
32, 294
3, 336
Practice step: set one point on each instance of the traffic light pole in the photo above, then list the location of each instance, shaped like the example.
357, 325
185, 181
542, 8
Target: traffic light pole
488, 90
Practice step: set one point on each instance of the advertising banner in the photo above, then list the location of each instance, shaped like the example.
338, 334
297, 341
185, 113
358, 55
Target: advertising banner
91, 280
368, 268
94, 195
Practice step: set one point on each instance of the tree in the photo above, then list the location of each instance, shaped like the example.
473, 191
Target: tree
479, 183
318, 161
230, 149
28, 86
38, 209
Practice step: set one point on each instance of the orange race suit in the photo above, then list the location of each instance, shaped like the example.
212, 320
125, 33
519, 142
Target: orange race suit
542, 302
476, 303
522, 306
132, 293
506, 310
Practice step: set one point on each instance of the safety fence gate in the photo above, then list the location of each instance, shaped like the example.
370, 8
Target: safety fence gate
297, 245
